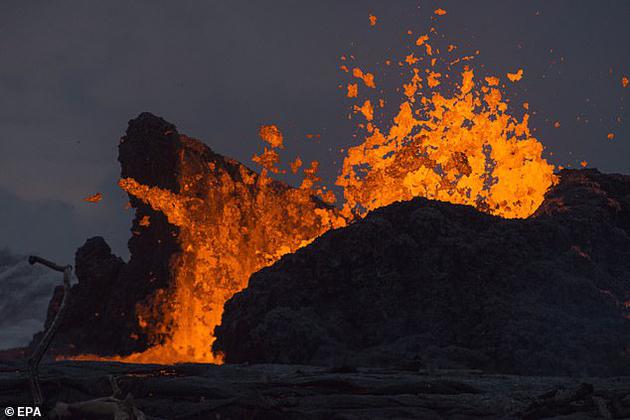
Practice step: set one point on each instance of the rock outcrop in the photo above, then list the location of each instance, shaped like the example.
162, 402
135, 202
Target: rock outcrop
430, 284
101, 316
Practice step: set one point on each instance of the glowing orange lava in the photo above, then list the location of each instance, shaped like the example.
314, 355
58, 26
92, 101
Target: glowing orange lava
515, 77
459, 144
241, 223
94, 198
464, 148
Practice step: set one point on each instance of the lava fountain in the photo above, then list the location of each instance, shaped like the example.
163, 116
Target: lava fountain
453, 138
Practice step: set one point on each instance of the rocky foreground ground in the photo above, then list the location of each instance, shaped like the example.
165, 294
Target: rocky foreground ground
194, 391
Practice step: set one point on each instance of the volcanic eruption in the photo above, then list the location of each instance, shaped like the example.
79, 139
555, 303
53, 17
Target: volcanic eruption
213, 222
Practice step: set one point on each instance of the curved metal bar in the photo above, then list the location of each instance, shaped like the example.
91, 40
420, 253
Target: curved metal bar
42, 347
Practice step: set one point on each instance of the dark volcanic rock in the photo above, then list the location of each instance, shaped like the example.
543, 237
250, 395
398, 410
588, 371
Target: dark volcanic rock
284, 392
101, 317
425, 283
95, 313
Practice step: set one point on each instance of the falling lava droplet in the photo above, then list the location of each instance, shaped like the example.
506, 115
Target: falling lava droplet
94, 198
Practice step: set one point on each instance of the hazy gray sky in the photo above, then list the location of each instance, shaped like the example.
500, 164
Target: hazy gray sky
72, 73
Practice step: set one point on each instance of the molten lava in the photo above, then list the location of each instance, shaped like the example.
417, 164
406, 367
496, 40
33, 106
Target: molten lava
458, 144
463, 147
247, 222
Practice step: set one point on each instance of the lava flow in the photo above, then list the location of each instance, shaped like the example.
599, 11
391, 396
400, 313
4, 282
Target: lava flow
452, 139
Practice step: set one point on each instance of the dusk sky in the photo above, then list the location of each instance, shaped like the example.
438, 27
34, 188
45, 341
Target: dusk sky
72, 73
